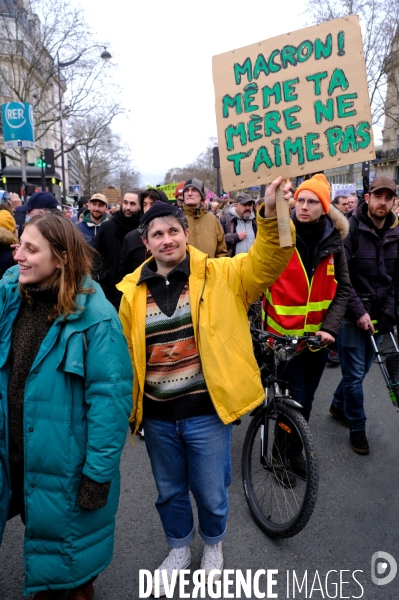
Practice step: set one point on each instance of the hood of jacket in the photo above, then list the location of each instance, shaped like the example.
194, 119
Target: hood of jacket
232, 211
197, 213
7, 237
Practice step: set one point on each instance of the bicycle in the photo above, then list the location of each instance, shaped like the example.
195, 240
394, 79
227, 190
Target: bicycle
281, 501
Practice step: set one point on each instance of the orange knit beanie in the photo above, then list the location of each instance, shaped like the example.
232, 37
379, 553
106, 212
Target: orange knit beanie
319, 185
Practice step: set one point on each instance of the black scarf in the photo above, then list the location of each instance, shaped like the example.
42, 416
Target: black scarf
310, 235
125, 224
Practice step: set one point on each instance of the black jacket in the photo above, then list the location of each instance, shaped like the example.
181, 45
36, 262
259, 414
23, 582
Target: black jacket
133, 254
373, 269
108, 242
332, 242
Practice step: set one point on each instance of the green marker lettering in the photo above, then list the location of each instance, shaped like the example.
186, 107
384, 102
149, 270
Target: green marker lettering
237, 158
287, 56
349, 142
289, 90
338, 79
244, 69
317, 78
229, 102
344, 104
274, 67
304, 51
254, 126
260, 66
312, 146
233, 131
249, 92
323, 50
292, 147
268, 92
277, 152
321, 111
271, 122
290, 119
334, 135
363, 131
262, 158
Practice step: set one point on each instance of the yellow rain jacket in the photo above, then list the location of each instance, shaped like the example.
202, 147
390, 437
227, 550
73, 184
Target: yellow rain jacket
221, 290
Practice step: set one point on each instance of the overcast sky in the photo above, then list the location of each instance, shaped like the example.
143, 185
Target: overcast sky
164, 51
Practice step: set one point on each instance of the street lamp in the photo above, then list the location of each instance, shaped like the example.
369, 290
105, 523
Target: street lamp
105, 55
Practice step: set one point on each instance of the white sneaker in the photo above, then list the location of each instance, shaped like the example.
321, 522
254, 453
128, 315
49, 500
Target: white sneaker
212, 558
178, 558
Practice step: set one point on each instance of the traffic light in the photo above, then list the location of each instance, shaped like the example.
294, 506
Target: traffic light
41, 163
49, 160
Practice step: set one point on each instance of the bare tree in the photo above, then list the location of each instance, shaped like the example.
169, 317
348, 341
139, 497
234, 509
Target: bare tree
379, 21
202, 168
37, 36
104, 159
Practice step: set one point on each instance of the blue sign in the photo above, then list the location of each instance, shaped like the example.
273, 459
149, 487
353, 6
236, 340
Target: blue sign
76, 189
18, 125
254, 188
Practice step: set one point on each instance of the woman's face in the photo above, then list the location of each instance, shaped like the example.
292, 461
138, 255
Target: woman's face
35, 259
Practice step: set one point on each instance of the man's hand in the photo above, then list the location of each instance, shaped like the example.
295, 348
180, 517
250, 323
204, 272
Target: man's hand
270, 196
242, 235
15, 200
365, 323
325, 338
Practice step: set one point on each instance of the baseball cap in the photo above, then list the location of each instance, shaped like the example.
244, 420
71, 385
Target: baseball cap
244, 198
382, 183
100, 198
39, 200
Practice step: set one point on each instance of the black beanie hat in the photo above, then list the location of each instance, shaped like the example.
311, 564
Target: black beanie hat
159, 209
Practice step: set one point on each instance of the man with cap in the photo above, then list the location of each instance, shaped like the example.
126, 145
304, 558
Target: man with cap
239, 225
206, 233
93, 216
195, 372
38, 204
311, 295
179, 194
372, 253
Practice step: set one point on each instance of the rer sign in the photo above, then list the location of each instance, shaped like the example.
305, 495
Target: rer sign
18, 125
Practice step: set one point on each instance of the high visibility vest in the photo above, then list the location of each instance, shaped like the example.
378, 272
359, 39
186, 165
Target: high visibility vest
293, 306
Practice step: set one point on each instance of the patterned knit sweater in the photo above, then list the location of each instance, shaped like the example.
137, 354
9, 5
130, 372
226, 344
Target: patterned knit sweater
175, 387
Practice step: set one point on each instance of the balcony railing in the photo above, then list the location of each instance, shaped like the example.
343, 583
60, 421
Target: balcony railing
392, 154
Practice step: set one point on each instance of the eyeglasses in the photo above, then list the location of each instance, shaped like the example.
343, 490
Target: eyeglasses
311, 202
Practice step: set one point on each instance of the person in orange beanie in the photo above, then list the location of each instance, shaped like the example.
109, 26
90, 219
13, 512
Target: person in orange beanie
310, 296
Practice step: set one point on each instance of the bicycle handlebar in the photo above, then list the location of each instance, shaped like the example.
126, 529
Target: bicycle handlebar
263, 335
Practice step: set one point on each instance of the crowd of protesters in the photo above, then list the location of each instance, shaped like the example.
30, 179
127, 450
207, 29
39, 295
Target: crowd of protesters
178, 370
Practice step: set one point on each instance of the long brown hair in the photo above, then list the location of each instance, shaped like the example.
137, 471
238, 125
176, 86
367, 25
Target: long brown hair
64, 238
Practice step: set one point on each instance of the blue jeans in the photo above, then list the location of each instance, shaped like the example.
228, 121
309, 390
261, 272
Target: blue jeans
356, 355
191, 454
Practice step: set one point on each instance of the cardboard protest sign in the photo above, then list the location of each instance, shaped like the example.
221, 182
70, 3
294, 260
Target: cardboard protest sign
294, 104
343, 189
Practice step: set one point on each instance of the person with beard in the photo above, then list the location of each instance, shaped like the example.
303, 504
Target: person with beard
134, 252
311, 295
372, 253
108, 243
93, 216
240, 225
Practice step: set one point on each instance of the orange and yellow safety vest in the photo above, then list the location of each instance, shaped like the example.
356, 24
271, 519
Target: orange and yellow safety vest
293, 306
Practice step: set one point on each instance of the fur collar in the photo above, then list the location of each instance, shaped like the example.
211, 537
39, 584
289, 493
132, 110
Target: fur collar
7, 237
341, 223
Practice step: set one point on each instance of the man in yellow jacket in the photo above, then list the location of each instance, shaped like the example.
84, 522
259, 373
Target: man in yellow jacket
185, 318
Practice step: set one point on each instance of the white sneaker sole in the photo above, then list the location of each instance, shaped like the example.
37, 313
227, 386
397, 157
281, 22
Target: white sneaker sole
161, 587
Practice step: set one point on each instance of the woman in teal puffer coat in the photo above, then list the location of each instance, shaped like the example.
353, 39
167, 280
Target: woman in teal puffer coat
65, 399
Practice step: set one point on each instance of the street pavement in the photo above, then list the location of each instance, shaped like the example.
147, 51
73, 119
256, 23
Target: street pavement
355, 515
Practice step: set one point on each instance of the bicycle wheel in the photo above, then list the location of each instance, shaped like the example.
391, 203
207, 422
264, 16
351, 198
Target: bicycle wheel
281, 502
